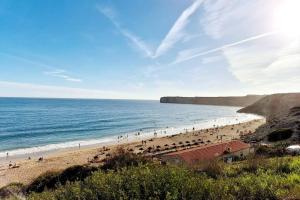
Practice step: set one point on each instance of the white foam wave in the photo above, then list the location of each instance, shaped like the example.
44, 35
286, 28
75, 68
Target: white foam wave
238, 118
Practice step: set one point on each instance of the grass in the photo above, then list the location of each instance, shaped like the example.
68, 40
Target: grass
127, 176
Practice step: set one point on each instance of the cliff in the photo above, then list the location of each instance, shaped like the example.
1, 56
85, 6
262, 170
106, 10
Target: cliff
240, 101
282, 112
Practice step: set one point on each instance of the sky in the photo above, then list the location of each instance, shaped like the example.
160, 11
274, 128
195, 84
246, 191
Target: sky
141, 49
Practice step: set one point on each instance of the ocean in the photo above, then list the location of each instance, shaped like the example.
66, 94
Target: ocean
32, 125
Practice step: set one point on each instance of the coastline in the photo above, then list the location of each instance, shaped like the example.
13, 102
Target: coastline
60, 159
16, 154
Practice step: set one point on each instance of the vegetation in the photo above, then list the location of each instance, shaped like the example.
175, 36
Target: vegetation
11, 190
128, 176
123, 159
51, 180
255, 178
277, 150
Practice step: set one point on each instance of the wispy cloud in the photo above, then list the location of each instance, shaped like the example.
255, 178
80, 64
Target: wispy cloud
26, 60
176, 33
51, 70
269, 67
222, 18
11, 89
62, 74
186, 55
139, 43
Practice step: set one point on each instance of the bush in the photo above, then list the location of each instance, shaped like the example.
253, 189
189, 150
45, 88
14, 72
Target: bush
51, 180
273, 151
11, 189
123, 158
256, 178
212, 168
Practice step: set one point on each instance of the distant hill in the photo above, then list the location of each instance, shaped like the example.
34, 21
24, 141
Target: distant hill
240, 101
282, 112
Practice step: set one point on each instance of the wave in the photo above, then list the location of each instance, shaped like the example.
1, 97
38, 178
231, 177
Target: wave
238, 118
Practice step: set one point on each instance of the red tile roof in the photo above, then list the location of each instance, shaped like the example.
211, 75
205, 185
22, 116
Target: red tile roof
208, 152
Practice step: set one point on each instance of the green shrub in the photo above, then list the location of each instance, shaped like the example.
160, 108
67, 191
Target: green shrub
10, 190
271, 151
256, 178
51, 180
212, 168
123, 158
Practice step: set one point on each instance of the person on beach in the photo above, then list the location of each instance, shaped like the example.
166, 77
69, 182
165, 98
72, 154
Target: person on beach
10, 164
79, 145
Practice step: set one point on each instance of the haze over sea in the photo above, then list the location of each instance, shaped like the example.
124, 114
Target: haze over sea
29, 125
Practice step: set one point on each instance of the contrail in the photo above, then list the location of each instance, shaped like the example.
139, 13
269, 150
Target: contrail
225, 46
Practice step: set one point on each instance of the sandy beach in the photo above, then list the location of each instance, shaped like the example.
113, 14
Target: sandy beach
27, 170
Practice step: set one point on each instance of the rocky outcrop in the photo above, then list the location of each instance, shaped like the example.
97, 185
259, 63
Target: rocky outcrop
282, 112
240, 101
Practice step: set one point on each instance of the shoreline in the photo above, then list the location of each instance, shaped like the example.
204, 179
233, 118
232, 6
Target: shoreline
61, 159
16, 154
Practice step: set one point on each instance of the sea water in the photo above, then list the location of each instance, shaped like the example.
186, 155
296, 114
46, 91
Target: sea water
29, 125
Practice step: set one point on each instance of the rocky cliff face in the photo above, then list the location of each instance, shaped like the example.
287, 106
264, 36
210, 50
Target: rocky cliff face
282, 112
240, 101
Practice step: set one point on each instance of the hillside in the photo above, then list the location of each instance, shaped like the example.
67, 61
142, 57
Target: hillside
240, 101
255, 178
283, 117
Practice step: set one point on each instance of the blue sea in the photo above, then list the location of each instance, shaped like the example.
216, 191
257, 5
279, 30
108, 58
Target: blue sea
29, 125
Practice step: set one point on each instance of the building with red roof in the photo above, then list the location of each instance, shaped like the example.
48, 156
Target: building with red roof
226, 150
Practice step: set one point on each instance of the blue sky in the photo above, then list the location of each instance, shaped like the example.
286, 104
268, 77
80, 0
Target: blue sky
147, 49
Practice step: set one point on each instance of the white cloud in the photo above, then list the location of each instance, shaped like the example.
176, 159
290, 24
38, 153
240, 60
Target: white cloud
211, 59
135, 40
54, 70
11, 89
217, 14
176, 33
62, 74
183, 55
226, 18
270, 67
189, 54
